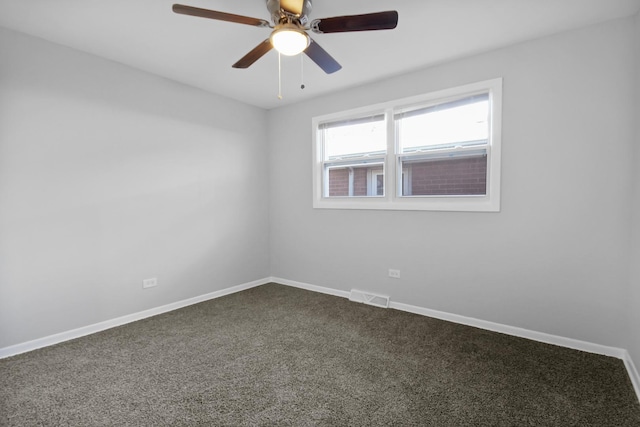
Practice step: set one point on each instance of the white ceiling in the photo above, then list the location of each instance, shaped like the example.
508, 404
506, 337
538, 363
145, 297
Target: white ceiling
147, 35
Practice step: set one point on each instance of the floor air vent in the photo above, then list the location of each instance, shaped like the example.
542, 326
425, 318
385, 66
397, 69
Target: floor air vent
369, 298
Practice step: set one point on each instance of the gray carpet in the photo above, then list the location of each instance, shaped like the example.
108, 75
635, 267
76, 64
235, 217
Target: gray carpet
280, 356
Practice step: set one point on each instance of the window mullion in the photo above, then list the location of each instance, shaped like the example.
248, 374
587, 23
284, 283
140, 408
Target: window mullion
390, 162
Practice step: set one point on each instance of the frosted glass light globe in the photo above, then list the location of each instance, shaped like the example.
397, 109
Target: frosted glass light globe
289, 40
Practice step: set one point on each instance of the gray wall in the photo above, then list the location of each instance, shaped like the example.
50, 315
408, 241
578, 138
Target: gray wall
555, 259
109, 176
634, 307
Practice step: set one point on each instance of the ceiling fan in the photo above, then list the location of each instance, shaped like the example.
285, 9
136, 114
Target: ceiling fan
291, 24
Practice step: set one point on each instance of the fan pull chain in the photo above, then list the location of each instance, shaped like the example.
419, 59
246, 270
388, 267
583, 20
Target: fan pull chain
301, 71
279, 77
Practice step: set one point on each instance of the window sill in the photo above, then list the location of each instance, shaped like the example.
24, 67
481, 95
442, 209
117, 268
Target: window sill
412, 203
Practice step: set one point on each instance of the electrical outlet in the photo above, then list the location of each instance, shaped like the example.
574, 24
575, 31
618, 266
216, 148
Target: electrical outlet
149, 283
394, 273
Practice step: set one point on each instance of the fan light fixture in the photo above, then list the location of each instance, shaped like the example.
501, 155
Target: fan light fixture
290, 40
290, 23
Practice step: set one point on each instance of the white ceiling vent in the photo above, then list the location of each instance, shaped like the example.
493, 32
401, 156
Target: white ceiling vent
369, 298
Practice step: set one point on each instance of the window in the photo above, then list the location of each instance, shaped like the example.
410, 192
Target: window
354, 152
439, 151
444, 147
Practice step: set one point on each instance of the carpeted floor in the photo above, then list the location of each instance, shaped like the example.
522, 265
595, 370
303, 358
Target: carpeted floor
280, 356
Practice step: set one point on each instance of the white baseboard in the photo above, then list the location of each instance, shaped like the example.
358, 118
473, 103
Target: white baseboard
514, 331
633, 372
588, 347
314, 288
107, 324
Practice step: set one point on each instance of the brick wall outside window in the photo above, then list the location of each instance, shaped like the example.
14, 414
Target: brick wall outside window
360, 181
461, 176
339, 181
466, 176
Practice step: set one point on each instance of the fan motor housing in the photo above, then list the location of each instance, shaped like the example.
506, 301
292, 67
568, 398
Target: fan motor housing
278, 14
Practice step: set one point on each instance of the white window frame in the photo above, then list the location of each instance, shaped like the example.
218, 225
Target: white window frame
393, 199
372, 181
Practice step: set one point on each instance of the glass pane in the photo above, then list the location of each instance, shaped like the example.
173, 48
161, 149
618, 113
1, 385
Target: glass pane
464, 122
356, 138
379, 184
355, 181
455, 176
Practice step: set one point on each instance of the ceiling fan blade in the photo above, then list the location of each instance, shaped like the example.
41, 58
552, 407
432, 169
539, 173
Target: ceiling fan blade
257, 53
220, 16
292, 6
371, 21
322, 58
